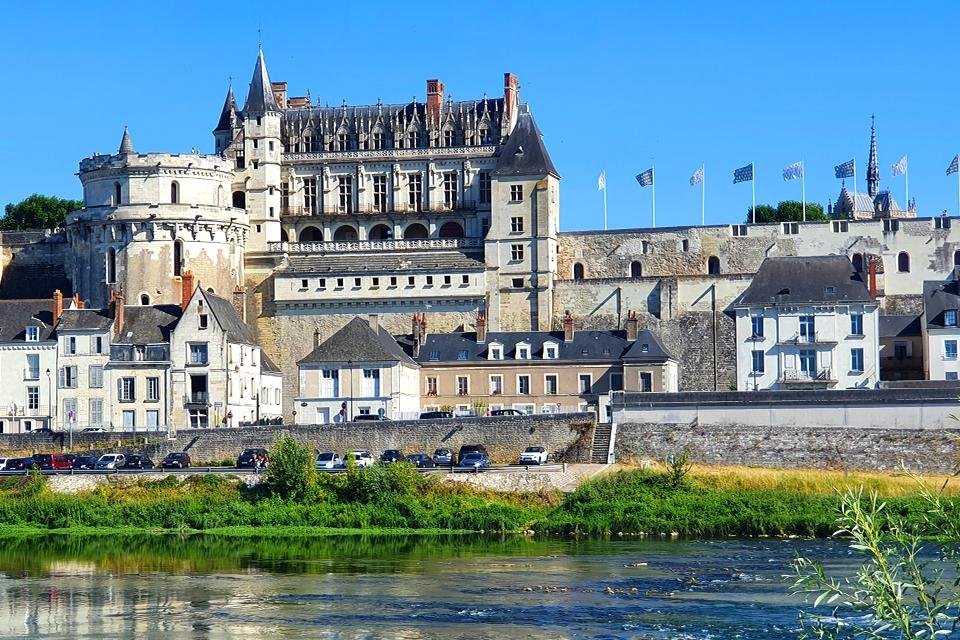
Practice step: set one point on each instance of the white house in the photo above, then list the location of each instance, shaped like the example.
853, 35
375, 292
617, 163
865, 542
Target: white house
941, 333
28, 365
84, 379
807, 323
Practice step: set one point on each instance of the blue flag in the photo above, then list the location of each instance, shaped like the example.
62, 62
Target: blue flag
743, 174
793, 171
954, 166
845, 170
646, 178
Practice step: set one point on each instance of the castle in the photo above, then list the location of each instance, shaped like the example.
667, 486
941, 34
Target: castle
311, 215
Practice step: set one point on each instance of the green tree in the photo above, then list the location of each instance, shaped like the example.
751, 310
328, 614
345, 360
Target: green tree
37, 212
787, 211
291, 473
765, 213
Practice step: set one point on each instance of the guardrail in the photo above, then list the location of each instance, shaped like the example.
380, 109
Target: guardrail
500, 468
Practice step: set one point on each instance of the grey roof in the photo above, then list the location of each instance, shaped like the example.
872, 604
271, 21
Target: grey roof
226, 315
148, 325
126, 144
260, 99
80, 319
895, 326
385, 263
32, 280
229, 110
524, 154
357, 342
647, 348
864, 202
794, 280
939, 297
17, 315
266, 364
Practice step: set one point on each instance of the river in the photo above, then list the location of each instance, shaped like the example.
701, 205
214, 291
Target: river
399, 587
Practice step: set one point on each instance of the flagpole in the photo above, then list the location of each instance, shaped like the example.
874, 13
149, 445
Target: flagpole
803, 188
703, 196
854, 186
753, 192
653, 190
906, 176
604, 200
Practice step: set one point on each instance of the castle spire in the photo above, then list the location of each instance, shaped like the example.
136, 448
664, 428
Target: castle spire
873, 168
229, 113
126, 145
260, 99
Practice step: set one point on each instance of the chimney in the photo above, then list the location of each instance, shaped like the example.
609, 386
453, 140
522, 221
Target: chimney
240, 302
873, 277
118, 303
423, 326
567, 326
374, 321
186, 288
632, 325
511, 98
316, 336
57, 305
415, 335
76, 301
481, 327
434, 100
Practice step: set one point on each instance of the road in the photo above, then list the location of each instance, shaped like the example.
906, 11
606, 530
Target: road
512, 468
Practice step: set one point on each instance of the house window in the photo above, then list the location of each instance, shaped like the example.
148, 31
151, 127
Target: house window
197, 353
32, 334
431, 386
463, 385
393, 281
380, 193
856, 324
856, 360
903, 262
585, 382
371, 382
374, 282
756, 326
434, 355
646, 381
516, 193
127, 389
550, 384
450, 190
484, 187
378, 139
117, 192
446, 281
950, 375
310, 195
484, 134
516, 224
345, 194
496, 353
33, 398
411, 280
496, 385
339, 283
96, 412
616, 382
95, 374
415, 191
840, 226
516, 252
465, 280
413, 139
330, 383
808, 331
70, 345
357, 281
950, 349
68, 377
550, 352
463, 354
153, 389
523, 385
32, 372
523, 352
901, 350
950, 318
96, 344
429, 281
202, 321
756, 357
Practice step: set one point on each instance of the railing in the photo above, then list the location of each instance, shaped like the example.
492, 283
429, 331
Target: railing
799, 375
814, 338
380, 154
467, 205
130, 353
374, 245
31, 374
198, 397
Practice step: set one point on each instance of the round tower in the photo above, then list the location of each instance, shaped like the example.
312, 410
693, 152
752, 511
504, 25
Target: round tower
148, 218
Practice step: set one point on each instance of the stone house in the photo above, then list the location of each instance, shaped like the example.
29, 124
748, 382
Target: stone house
28, 364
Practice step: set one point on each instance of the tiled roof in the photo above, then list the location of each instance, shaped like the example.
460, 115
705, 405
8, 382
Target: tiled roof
148, 325
383, 263
80, 319
357, 342
17, 315
793, 280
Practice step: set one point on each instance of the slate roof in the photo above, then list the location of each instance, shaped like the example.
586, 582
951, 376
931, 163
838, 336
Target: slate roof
148, 325
524, 154
260, 99
80, 319
357, 342
126, 144
228, 318
267, 365
647, 348
385, 263
586, 346
938, 297
794, 280
863, 202
229, 109
899, 326
17, 315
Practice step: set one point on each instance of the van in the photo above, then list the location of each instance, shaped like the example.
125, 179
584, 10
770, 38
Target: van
52, 461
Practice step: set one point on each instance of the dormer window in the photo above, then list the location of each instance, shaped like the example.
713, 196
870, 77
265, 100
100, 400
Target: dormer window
32, 334
549, 352
463, 354
523, 351
495, 352
644, 348
829, 290
950, 318
434, 356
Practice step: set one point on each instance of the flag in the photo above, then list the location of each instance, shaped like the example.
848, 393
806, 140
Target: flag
602, 181
900, 168
646, 178
954, 165
743, 174
697, 177
793, 171
845, 170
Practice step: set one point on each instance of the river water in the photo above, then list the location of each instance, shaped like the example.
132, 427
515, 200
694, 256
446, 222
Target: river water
400, 587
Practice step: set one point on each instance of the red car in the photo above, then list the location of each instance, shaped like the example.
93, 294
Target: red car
52, 461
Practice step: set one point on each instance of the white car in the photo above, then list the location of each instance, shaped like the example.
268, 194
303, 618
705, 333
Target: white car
329, 460
3, 463
111, 461
361, 456
533, 455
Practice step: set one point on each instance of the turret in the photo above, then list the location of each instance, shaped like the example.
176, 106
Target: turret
229, 121
873, 168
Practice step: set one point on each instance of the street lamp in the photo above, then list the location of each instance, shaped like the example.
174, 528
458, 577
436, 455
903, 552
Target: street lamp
49, 400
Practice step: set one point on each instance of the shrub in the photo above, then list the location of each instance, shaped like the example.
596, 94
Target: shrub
291, 472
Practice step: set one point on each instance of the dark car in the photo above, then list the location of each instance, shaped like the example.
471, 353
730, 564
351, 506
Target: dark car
44, 430
19, 464
84, 462
474, 460
421, 461
176, 460
472, 448
368, 417
436, 415
51, 461
391, 455
443, 456
506, 412
138, 462
253, 459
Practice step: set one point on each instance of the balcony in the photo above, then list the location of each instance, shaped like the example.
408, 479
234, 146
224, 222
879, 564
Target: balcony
808, 339
385, 154
822, 376
132, 353
375, 245
197, 397
331, 209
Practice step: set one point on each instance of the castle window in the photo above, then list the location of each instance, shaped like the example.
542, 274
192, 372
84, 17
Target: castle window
378, 139
636, 270
484, 134
144, 299
178, 257
111, 266
415, 191
450, 190
240, 158
516, 193
903, 262
254, 143
448, 138
270, 145
117, 192
322, 283
413, 139
380, 193
202, 321
174, 193
644, 247
484, 187
516, 224
345, 193
450, 230
239, 200
345, 233
259, 121
310, 195
342, 141
256, 165
577, 271
516, 252
713, 266
684, 245
956, 258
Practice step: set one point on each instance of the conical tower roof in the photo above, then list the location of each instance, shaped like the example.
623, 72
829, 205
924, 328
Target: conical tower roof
260, 99
228, 114
126, 144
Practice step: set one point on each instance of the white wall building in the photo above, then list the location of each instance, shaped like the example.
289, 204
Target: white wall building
807, 323
941, 333
28, 365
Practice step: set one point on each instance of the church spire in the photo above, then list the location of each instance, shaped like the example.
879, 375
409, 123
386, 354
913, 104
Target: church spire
873, 168
260, 99
126, 144
229, 112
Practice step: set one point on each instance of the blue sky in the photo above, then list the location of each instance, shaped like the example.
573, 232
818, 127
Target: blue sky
613, 86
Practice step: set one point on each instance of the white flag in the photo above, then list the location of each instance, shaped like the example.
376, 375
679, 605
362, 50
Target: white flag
900, 168
697, 177
602, 181
793, 171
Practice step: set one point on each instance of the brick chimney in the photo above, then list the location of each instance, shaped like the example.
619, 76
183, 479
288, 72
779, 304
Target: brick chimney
567, 326
631, 326
186, 288
374, 320
481, 327
118, 303
511, 97
873, 277
434, 100
57, 305
240, 302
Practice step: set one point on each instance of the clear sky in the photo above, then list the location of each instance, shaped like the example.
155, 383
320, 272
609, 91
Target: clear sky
612, 85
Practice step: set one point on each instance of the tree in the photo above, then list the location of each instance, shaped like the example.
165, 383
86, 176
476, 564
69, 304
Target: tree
291, 472
37, 212
765, 213
787, 211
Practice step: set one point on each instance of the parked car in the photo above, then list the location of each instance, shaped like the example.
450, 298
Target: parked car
176, 460
506, 412
44, 430
111, 461
472, 448
443, 456
253, 458
3, 463
327, 460
421, 461
436, 415
366, 417
361, 456
474, 460
19, 464
533, 455
93, 430
138, 462
391, 455
84, 462
51, 461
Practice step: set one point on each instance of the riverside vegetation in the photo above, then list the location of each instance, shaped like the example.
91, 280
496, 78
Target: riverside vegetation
295, 499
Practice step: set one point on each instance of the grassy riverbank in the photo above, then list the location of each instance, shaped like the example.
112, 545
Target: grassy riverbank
702, 502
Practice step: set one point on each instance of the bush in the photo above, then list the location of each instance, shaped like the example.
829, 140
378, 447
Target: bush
291, 473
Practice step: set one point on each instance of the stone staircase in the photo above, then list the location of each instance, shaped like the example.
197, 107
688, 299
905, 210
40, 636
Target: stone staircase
601, 443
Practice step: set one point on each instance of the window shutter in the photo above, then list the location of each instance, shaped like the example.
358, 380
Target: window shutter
61, 377
909, 348
120, 388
